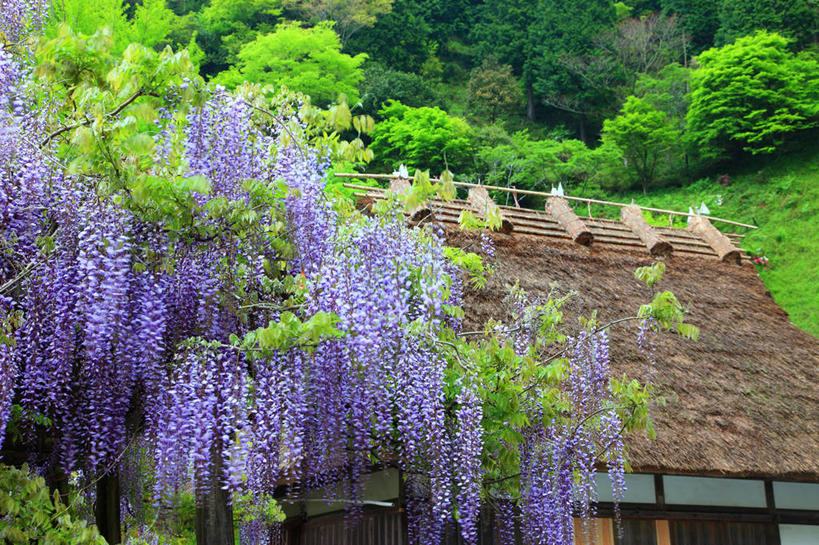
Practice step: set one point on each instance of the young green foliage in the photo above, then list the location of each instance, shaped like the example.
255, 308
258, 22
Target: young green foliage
752, 96
307, 60
426, 138
150, 24
30, 513
645, 135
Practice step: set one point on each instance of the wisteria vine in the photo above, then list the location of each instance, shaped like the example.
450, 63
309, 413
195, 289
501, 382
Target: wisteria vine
149, 310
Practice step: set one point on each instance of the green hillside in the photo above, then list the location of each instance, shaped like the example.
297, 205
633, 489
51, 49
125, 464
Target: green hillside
610, 99
781, 196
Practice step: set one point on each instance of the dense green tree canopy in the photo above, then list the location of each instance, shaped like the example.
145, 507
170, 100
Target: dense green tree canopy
561, 30
400, 39
493, 90
699, 20
381, 84
645, 136
752, 95
426, 138
307, 59
224, 26
795, 19
349, 16
541, 165
502, 29
150, 23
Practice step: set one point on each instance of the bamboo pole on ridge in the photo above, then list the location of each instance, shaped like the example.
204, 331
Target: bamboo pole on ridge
544, 194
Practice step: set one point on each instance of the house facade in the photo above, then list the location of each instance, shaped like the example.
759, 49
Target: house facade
736, 457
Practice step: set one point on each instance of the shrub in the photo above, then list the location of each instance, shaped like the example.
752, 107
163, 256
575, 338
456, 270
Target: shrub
30, 514
539, 164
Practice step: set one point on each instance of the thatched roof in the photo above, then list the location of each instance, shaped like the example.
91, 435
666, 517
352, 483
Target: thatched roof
742, 401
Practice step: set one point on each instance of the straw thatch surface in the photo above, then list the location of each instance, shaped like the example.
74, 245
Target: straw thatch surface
743, 400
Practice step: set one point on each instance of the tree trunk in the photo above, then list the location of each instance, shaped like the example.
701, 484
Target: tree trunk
581, 127
530, 103
214, 514
106, 509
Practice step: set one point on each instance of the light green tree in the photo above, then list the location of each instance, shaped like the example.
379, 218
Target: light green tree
645, 135
425, 138
151, 24
750, 96
307, 60
493, 89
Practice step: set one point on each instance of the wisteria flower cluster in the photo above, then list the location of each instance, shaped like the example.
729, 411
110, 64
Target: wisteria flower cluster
166, 301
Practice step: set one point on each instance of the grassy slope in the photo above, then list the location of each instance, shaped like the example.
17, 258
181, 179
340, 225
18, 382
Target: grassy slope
781, 196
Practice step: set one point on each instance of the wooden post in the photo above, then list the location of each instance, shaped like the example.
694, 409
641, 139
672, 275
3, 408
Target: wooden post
560, 210
106, 508
214, 513
719, 242
632, 216
480, 201
663, 533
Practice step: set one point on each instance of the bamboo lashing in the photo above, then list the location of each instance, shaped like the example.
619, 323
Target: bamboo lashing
480, 201
402, 186
560, 210
544, 194
632, 216
720, 243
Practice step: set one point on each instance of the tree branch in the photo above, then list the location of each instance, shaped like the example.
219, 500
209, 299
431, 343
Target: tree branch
88, 121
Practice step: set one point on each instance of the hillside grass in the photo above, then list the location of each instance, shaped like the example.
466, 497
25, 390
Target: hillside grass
781, 196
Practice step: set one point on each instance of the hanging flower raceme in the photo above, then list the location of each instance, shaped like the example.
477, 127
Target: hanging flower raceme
19, 18
134, 309
560, 457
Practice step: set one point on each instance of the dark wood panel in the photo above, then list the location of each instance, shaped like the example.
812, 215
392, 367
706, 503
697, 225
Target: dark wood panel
706, 532
636, 532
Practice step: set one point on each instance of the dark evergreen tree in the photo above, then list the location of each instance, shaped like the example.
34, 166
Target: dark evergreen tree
795, 19
699, 20
561, 30
502, 29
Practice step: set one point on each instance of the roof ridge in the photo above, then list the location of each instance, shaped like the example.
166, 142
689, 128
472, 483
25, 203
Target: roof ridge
605, 232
